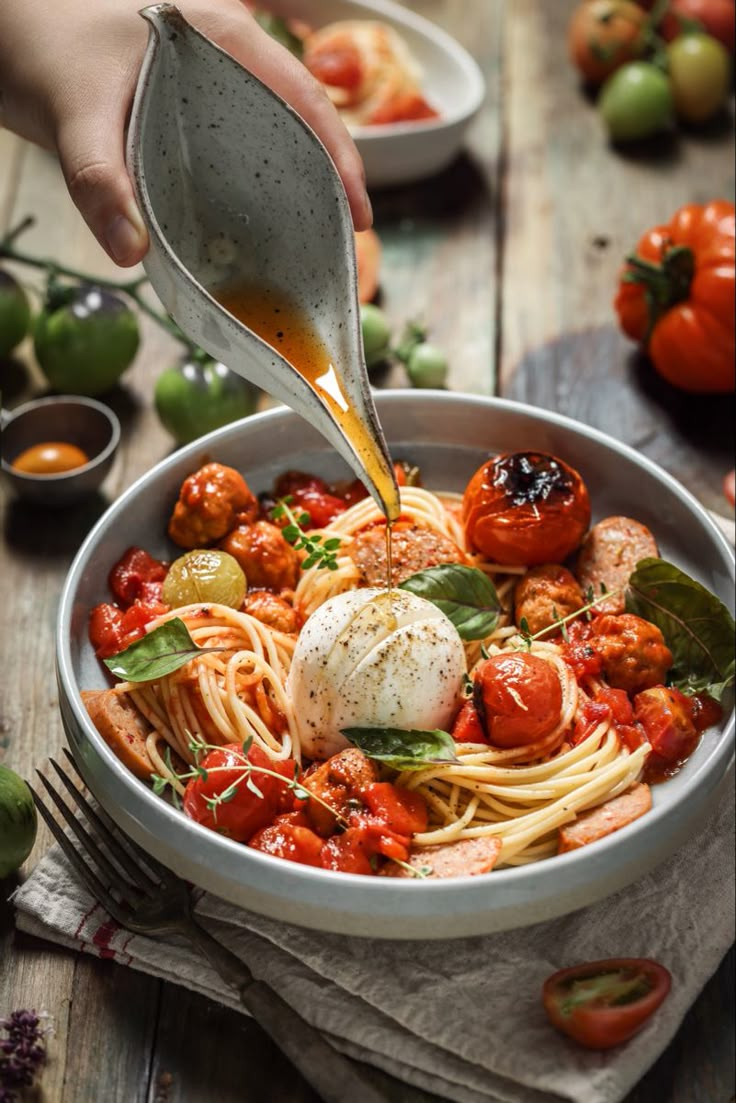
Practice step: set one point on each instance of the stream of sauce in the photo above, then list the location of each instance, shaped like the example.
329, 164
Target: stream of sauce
276, 320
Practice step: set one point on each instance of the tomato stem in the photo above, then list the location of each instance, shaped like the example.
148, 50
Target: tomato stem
53, 268
665, 284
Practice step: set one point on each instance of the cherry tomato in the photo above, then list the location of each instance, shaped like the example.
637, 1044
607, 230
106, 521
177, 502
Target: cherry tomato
603, 34
402, 810
106, 630
376, 330
636, 102
134, 568
603, 1003
246, 812
525, 508
715, 17
427, 366
198, 395
667, 718
700, 76
346, 853
519, 698
339, 66
289, 837
15, 314
468, 727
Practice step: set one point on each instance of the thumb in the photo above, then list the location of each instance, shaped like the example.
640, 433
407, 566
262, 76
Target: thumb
91, 152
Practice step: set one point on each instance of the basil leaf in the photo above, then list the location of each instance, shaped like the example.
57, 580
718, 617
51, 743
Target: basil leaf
404, 750
465, 595
156, 654
696, 625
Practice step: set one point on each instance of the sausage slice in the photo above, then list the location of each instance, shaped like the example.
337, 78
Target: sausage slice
123, 728
609, 817
463, 858
609, 556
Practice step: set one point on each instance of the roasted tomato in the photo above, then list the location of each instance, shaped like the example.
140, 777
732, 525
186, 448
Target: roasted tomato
518, 697
289, 837
525, 508
133, 571
311, 494
666, 716
603, 1003
604, 35
245, 812
468, 727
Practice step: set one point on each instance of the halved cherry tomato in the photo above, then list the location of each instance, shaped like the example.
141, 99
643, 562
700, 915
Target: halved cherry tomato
131, 573
519, 698
468, 727
106, 629
601, 1004
666, 716
310, 493
246, 811
525, 508
289, 837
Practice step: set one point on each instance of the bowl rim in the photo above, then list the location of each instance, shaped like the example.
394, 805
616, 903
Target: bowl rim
710, 770
57, 400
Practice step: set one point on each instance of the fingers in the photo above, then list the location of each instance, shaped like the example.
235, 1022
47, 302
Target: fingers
90, 147
280, 70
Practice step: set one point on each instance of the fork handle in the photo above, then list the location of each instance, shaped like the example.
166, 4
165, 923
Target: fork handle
331, 1075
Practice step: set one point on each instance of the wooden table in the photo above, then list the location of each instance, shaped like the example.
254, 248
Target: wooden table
512, 257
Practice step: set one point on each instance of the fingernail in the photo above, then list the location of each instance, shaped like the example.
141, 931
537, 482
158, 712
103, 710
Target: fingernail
125, 237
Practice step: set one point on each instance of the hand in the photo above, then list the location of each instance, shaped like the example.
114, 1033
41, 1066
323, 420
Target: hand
68, 71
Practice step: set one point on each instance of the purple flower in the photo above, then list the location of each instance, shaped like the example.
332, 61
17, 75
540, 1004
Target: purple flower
22, 1052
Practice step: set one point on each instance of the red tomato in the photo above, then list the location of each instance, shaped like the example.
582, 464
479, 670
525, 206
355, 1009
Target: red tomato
590, 715
604, 35
519, 697
133, 571
310, 493
339, 66
106, 630
289, 837
346, 853
667, 718
578, 653
246, 812
717, 17
468, 727
525, 508
402, 810
603, 1003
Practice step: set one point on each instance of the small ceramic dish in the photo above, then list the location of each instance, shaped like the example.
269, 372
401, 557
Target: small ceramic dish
448, 436
399, 153
69, 419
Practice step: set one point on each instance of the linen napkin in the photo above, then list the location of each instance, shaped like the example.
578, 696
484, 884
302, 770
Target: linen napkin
462, 1019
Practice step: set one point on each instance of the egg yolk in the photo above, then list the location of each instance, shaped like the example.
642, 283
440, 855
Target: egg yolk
50, 458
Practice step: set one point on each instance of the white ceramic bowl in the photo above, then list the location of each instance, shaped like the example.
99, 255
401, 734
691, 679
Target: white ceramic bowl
449, 436
398, 153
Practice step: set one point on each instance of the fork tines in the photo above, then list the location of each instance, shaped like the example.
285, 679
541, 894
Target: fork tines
120, 863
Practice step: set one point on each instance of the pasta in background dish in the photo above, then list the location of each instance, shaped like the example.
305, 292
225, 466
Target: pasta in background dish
481, 707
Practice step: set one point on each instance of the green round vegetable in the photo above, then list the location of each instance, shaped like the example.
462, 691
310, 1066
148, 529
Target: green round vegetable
636, 102
427, 366
205, 575
15, 314
700, 73
85, 339
194, 397
376, 334
18, 821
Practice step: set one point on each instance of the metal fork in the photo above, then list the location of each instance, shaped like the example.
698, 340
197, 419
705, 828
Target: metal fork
144, 896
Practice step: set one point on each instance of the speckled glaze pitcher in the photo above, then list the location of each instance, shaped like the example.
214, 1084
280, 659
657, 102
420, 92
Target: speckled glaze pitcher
236, 188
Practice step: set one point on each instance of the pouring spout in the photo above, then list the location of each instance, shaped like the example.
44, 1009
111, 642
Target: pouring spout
238, 191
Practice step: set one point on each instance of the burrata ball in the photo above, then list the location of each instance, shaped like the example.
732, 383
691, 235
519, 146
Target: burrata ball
372, 658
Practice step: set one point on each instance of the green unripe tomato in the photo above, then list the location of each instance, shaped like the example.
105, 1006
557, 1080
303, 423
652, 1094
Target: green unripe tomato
18, 822
636, 102
194, 398
15, 314
376, 334
205, 575
700, 73
427, 366
85, 344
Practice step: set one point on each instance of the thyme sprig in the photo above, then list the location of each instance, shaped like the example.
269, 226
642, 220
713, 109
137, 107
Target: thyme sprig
321, 553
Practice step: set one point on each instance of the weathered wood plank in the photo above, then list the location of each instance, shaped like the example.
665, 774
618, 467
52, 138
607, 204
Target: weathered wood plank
574, 208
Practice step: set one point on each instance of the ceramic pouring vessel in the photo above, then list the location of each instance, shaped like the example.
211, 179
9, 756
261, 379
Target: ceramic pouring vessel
236, 189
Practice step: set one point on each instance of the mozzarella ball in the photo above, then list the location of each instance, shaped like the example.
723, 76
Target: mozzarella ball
371, 658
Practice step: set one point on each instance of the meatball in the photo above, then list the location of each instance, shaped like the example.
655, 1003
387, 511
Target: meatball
633, 651
609, 556
272, 610
544, 595
211, 502
337, 781
412, 549
269, 562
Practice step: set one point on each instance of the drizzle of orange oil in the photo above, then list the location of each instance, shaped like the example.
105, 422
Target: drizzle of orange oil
271, 315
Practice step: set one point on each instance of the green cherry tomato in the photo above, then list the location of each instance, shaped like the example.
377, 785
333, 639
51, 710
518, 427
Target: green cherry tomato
700, 72
376, 334
636, 102
85, 344
427, 366
15, 314
17, 821
196, 397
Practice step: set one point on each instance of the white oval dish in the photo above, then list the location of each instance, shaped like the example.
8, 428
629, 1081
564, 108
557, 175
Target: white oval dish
449, 436
398, 153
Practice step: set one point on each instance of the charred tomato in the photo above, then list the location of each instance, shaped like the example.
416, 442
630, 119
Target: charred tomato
525, 508
518, 698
